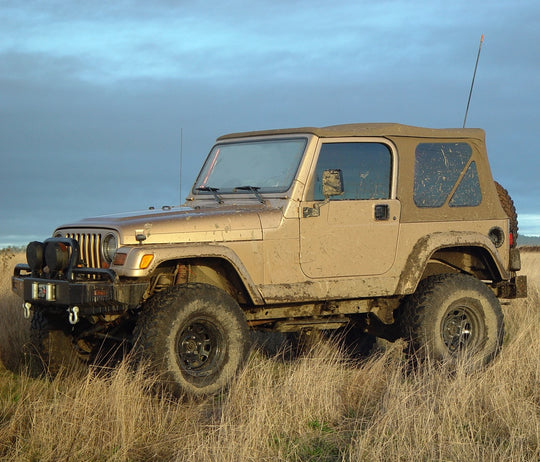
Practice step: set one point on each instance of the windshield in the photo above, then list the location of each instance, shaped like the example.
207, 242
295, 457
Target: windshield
267, 166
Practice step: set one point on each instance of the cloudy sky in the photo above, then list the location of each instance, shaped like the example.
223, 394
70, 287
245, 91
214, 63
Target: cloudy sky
94, 96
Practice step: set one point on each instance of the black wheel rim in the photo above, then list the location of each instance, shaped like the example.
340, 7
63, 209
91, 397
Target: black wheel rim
461, 329
200, 347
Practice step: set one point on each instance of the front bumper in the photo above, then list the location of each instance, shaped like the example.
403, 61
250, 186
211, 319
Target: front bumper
90, 296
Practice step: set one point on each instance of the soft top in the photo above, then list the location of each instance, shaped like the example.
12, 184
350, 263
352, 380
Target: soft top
367, 129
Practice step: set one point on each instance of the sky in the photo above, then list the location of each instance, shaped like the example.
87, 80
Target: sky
98, 99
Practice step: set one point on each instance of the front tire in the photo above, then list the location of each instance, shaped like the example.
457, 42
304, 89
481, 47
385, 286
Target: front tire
195, 336
51, 349
451, 317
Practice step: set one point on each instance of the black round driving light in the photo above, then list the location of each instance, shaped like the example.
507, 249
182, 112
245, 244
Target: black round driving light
57, 256
34, 255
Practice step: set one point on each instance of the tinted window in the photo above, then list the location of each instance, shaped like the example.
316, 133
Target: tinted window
438, 166
366, 169
468, 193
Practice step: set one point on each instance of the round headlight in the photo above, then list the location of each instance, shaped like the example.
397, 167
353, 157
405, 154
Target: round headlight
34, 255
109, 246
56, 256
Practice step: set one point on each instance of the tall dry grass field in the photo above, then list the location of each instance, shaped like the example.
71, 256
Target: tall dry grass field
316, 408
13, 327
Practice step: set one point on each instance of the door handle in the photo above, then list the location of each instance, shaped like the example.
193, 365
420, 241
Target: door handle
382, 212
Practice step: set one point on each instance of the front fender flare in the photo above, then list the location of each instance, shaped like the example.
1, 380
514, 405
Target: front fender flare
167, 252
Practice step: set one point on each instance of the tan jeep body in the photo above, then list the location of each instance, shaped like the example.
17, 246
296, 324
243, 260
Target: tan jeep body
294, 260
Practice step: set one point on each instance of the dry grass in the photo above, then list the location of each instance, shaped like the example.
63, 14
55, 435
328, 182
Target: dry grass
14, 328
316, 408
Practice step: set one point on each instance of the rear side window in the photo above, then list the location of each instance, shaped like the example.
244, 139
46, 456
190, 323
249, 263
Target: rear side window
439, 167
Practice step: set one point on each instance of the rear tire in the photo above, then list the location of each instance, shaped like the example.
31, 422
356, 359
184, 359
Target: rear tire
195, 336
452, 317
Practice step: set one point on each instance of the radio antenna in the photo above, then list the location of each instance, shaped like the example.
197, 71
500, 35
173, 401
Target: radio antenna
181, 147
473, 77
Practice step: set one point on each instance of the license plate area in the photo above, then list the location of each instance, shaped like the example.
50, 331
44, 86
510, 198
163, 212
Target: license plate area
44, 291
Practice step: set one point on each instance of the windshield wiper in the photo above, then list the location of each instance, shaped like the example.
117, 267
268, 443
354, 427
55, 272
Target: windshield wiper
214, 191
253, 189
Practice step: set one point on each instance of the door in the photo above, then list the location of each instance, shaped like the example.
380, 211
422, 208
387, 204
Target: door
355, 233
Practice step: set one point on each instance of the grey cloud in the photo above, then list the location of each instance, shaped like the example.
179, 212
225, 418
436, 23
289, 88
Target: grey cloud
75, 145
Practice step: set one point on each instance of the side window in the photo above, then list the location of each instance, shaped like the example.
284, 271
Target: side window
468, 193
366, 169
438, 166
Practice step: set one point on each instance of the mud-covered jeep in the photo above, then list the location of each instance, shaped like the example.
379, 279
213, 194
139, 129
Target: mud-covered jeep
380, 230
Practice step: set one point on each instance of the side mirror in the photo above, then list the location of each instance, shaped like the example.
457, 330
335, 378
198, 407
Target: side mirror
332, 183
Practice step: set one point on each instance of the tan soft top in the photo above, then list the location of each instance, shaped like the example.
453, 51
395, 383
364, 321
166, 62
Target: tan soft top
368, 129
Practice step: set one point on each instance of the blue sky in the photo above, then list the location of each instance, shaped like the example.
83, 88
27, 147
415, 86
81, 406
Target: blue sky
94, 95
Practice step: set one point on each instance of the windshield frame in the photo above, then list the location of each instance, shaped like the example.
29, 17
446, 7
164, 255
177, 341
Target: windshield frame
204, 178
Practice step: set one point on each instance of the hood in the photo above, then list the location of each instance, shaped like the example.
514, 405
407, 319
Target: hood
184, 224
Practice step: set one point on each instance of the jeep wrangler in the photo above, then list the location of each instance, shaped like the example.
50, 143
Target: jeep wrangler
380, 230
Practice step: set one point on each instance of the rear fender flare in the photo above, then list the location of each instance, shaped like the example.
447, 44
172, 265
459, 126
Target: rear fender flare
431, 243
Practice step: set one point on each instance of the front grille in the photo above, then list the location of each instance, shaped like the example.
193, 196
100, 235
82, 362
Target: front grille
90, 247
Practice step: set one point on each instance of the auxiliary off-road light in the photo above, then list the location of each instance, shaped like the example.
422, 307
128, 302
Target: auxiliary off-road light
56, 256
34, 255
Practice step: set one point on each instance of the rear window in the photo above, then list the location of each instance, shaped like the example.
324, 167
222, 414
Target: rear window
444, 172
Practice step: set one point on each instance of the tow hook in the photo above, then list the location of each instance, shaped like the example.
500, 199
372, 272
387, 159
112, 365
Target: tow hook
73, 315
26, 309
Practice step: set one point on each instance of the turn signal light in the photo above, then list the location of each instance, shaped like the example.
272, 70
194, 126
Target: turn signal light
145, 261
119, 258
